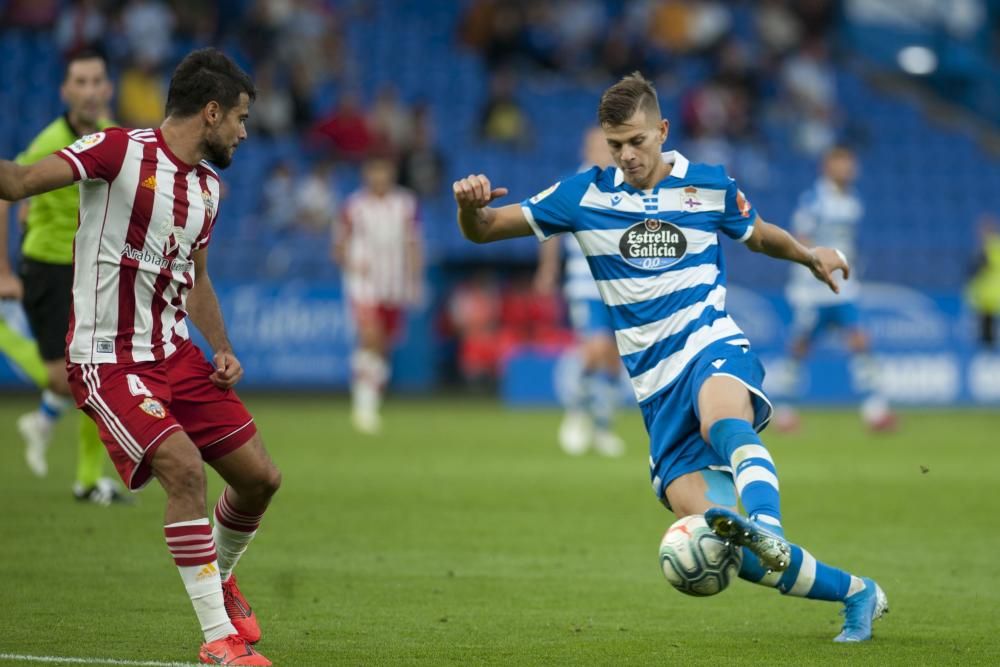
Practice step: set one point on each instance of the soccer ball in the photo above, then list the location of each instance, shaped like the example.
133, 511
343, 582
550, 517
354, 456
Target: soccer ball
695, 560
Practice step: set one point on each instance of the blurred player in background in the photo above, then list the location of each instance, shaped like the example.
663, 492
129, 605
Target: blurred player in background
983, 290
650, 230
377, 245
148, 203
594, 392
46, 282
829, 214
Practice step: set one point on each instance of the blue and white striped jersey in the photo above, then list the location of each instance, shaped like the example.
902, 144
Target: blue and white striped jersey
828, 217
656, 258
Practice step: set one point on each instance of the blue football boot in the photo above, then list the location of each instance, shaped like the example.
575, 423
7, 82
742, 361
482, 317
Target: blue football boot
773, 550
861, 610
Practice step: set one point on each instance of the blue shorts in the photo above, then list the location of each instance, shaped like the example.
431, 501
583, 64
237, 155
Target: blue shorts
811, 321
590, 317
672, 421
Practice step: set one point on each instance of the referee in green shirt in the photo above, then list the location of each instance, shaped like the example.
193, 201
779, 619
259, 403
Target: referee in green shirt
46, 280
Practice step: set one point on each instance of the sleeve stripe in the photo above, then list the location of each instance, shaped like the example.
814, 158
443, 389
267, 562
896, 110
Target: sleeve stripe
78, 169
747, 233
542, 236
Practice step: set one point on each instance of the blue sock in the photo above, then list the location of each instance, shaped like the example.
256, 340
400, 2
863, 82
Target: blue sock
805, 577
52, 405
602, 392
753, 469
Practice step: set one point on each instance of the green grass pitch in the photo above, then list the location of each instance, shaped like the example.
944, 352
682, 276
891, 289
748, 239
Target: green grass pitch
462, 536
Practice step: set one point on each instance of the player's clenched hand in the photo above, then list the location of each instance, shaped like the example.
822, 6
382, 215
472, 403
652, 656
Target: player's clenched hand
474, 191
825, 262
10, 286
228, 370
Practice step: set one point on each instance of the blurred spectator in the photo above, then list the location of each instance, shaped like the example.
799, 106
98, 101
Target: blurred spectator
303, 42
474, 316
810, 87
817, 17
80, 26
148, 26
390, 121
301, 96
983, 290
36, 14
197, 21
686, 26
316, 200
778, 27
278, 201
261, 26
622, 53
494, 27
422, 166
502, 120
346, 129
141, 98
273, 111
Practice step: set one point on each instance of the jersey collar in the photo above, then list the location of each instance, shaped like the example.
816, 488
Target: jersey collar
669, 157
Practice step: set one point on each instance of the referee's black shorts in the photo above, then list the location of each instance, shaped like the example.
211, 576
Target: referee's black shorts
48, 294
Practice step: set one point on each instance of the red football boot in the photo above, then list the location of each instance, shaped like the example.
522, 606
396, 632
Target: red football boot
240, 613
231, 650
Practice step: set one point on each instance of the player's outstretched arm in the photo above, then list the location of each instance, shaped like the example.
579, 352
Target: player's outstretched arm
18, 182
203, 309
774, 241
478, 221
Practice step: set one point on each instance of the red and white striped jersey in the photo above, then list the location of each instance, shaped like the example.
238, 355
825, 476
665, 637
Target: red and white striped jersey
143, 212
380, 232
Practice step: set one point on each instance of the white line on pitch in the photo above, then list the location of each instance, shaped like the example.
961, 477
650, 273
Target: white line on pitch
92, 661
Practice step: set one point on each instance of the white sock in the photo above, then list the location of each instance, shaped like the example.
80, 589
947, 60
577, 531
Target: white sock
232, 540
371, 372
204, 587
230, 545
192, 541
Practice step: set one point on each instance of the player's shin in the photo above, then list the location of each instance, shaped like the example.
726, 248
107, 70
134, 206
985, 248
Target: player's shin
753, 470
805, 577
193, 550
233, 532
90, 453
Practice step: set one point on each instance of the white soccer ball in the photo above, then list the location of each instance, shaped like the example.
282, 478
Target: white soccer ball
695, 560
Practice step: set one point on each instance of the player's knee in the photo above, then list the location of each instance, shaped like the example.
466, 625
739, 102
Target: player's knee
58, 382
271, 482
178, 467
262, 485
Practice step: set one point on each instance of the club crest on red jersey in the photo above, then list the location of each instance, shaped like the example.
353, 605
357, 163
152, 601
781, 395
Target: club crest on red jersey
209, 201
153, 408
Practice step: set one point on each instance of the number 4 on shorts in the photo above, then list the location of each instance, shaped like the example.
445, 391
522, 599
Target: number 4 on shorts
136, 386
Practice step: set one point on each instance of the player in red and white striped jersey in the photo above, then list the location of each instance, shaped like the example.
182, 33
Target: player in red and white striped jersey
148, 203
377, 244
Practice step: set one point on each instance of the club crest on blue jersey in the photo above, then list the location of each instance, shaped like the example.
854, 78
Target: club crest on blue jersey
690, 200
653, 244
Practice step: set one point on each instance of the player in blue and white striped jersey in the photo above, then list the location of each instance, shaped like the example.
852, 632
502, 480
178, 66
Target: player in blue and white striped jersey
594, 391
650, 230
829, 214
